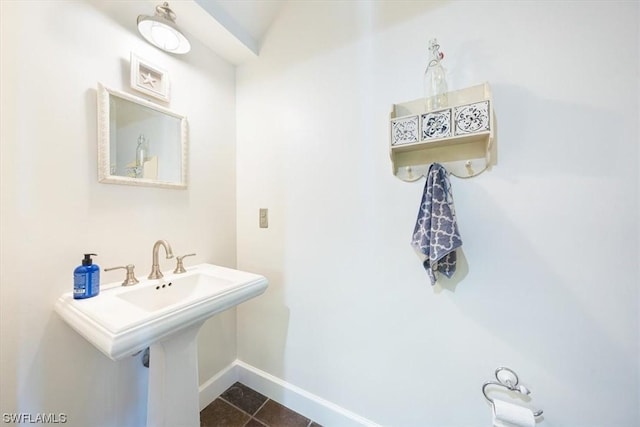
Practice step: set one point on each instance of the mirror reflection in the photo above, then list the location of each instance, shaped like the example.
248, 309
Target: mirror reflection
140, 143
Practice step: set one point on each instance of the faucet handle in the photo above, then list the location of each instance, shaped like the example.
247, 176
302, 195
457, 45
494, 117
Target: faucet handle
131, 277
180, 265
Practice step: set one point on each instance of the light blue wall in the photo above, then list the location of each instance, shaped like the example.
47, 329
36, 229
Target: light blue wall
548, 281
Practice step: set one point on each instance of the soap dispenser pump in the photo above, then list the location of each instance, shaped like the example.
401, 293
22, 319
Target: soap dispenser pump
86, 279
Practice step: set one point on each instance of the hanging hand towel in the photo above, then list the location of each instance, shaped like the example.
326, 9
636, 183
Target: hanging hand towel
436, 234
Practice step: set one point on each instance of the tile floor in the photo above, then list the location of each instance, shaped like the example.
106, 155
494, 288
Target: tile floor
241, 406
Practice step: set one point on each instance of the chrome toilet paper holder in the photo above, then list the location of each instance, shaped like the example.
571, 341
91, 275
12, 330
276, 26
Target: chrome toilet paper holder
508, 379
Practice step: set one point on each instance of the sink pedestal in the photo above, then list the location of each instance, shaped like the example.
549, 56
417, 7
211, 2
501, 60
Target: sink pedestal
173, 399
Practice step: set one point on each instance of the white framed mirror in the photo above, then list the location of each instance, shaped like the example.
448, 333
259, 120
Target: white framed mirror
139, 142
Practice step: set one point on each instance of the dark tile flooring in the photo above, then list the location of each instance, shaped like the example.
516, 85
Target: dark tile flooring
241, 406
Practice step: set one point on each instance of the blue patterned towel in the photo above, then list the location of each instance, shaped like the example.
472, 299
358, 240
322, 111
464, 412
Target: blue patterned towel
436, 235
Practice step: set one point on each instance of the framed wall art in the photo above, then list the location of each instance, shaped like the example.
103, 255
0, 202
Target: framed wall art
149, 79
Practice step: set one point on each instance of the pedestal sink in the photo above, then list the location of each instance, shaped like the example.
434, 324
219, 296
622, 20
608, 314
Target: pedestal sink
165, 315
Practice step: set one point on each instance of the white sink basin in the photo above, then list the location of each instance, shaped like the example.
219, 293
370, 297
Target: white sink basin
123, 320
175, 291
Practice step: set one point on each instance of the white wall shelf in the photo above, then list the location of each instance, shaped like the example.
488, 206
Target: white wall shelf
459, 135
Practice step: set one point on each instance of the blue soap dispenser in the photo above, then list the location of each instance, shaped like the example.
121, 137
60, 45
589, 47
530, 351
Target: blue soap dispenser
86, 279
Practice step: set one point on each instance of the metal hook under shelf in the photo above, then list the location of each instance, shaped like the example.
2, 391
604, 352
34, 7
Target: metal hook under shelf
462, 169
508, 379
416, 172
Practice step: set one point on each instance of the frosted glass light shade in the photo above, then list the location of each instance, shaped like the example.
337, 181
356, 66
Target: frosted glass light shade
163, 33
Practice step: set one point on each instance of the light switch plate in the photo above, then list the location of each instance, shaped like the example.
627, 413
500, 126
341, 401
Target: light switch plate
264, 218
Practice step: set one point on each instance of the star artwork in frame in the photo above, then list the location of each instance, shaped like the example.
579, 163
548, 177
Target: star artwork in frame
149, 78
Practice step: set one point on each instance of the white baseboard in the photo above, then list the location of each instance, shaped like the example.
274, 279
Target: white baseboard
295, 398
217, 384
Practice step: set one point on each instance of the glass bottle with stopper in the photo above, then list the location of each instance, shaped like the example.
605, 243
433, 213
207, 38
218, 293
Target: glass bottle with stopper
142, 155
435, 79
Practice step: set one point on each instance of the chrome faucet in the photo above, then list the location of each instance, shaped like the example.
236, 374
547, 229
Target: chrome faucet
155, 266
